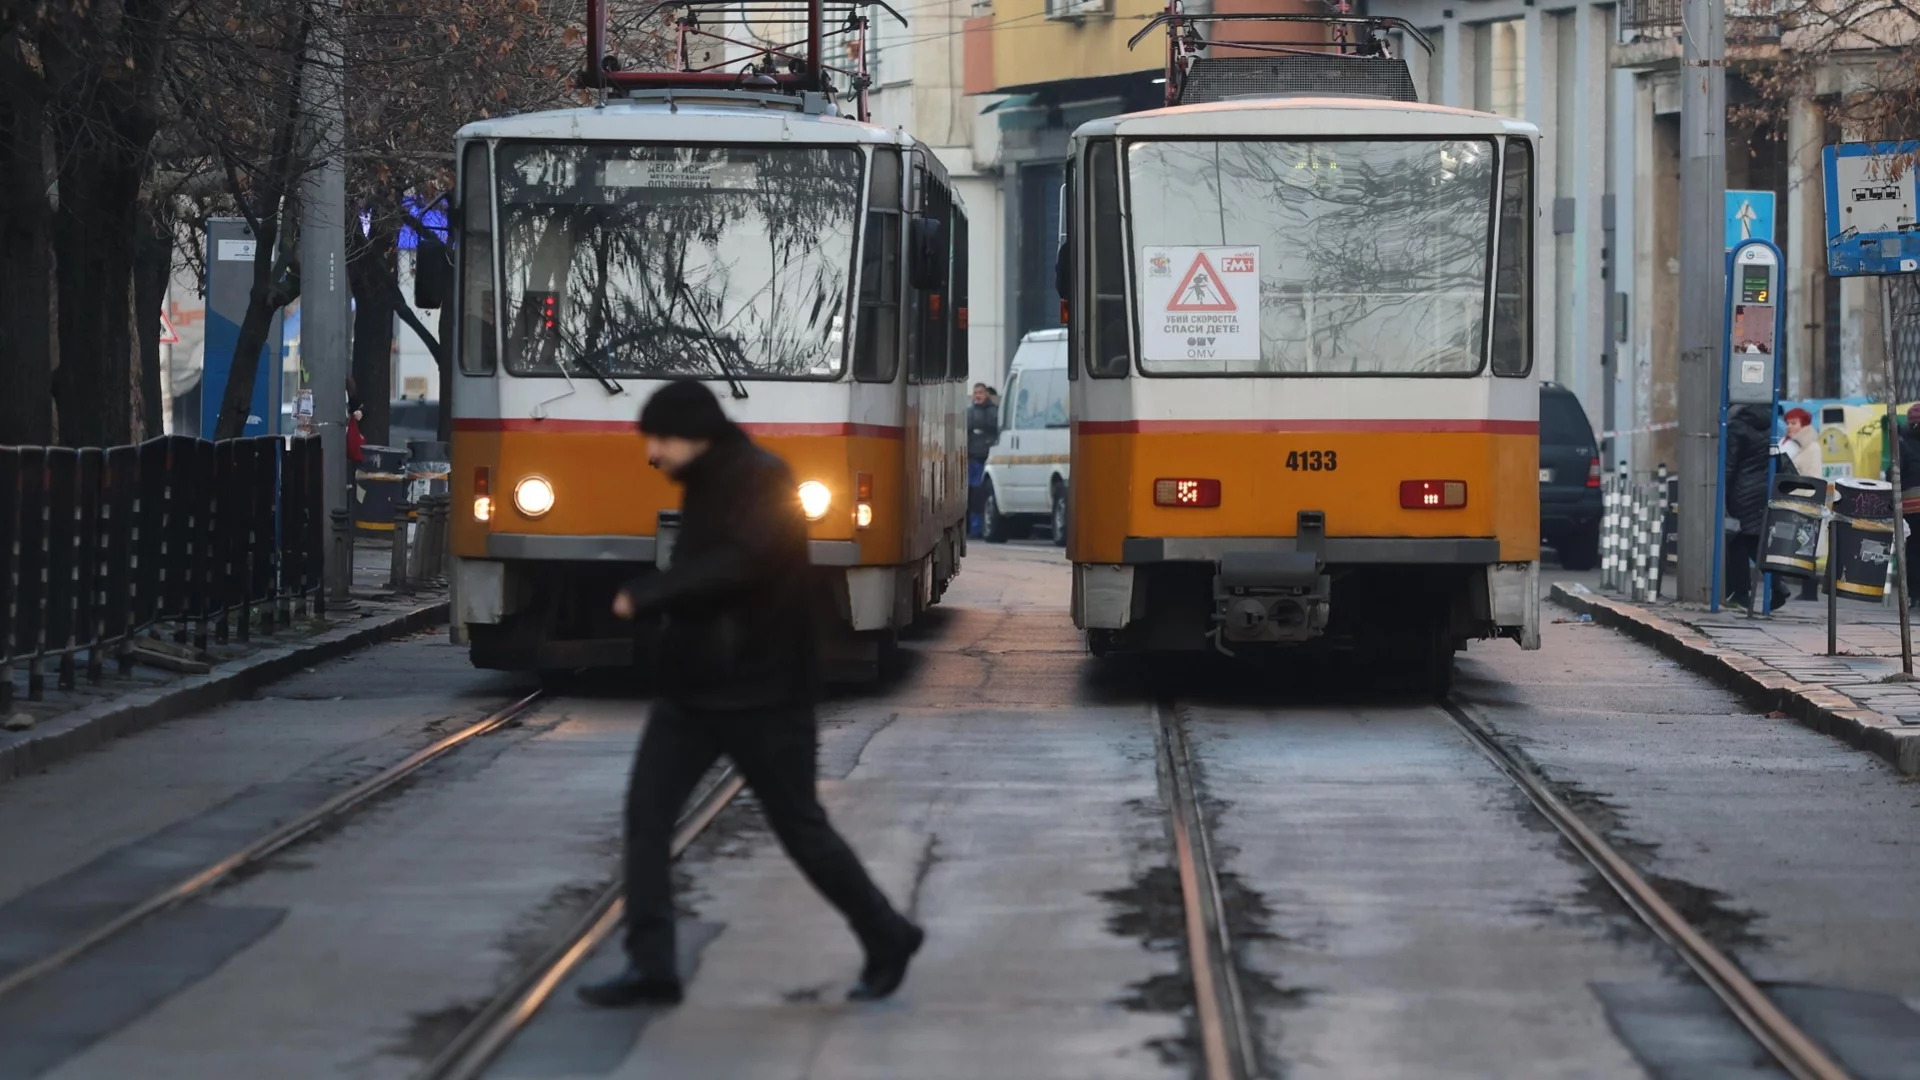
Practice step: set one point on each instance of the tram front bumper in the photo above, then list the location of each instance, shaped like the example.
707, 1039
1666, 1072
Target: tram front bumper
1260, 589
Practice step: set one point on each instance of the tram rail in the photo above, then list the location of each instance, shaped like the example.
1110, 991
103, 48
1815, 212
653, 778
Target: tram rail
267, 845
495, 1026
1224, 1029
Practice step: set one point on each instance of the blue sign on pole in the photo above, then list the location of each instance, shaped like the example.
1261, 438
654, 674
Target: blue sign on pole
230, 253
1872, 199
1749, 217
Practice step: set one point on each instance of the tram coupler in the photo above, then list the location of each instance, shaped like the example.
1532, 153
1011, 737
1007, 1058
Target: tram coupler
1271, 596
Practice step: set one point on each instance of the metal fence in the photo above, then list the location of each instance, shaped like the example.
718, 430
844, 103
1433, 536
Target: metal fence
1902, 297
99, 546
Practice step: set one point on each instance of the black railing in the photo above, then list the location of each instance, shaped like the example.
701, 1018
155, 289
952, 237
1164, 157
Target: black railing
99, 546
1649, 18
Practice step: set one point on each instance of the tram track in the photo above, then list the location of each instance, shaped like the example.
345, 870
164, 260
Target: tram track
267, 845
1225, 1029
497, 1023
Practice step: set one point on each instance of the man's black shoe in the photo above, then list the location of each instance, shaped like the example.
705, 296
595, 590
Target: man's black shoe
631, 988
887, 967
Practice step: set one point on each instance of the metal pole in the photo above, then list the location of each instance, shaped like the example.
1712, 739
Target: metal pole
324, 309
398, 567
1703, 185
339, 550
1833, 594
1899, 551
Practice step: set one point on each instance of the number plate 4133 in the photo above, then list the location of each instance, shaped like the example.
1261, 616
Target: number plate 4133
1312, 460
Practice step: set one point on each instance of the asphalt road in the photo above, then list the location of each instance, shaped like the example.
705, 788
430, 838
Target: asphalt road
1397, 908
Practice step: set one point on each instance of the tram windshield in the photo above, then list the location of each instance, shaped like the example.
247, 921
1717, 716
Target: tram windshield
1312, 258
642, 261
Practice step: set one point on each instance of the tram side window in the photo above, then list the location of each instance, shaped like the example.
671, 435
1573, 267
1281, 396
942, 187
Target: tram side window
478, 348
931, 358
957, 293
1513, 274
1108, 352
877, 353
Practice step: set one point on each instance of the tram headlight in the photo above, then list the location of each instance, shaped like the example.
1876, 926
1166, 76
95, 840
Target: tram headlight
815, 499
533, 496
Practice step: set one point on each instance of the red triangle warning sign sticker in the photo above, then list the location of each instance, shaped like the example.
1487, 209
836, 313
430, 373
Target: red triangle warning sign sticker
168, 335
1201, 289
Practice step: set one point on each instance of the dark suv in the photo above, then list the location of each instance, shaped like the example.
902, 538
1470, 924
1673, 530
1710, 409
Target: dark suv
1569, 479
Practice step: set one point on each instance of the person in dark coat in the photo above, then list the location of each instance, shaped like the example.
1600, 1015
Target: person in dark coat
1910, 499
983, 431
737, 677
1749, 445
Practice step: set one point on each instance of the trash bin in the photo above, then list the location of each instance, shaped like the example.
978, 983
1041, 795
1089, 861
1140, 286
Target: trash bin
1791, 530
429, 465
1862, 538
378, 484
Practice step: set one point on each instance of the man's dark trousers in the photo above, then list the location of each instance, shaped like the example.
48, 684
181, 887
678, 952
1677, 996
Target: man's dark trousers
775, 751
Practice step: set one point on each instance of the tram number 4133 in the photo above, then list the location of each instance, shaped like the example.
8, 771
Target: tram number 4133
1312, 460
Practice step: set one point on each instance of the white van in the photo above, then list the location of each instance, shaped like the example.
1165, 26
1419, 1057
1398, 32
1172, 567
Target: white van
1027, 471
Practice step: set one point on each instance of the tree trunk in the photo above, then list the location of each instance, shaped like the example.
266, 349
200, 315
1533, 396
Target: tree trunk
152, 267
26, 261
369, 273
93, 235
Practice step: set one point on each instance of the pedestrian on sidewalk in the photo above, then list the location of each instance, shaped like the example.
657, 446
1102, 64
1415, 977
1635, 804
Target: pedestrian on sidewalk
355, 440
1802, 443
1910, 499
983, 432
737, 677
1749, 445
1802, 447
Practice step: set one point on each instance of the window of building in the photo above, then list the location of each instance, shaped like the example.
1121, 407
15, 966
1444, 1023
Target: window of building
1500, 73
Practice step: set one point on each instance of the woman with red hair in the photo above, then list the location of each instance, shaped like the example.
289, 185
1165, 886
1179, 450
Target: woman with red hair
1802, 443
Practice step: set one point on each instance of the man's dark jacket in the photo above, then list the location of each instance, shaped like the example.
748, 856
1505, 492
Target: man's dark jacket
738, 629
1749, 443
983, 430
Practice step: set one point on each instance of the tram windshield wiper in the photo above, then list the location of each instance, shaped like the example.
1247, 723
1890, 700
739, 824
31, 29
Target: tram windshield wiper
719, 354
599, 374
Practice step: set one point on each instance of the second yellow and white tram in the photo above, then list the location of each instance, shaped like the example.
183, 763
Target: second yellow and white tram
1304, 404
810, 265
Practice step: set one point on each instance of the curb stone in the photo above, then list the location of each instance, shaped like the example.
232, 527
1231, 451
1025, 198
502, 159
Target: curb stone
70, 734
1820, 708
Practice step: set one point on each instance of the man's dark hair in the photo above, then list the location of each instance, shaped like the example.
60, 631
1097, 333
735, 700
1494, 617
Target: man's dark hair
685, 409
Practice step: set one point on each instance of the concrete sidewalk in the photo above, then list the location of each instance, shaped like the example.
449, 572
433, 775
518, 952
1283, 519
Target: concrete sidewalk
1780, 662
176, 681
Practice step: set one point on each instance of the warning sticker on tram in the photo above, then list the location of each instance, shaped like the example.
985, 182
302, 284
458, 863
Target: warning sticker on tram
1200, 303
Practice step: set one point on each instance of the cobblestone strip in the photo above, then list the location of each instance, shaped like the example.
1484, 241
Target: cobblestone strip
72, 733
1815, 705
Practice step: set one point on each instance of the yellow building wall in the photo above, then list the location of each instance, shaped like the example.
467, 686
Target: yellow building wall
1030, 49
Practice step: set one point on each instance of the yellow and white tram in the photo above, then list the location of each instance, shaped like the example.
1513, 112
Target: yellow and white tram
739, 230
1304, 405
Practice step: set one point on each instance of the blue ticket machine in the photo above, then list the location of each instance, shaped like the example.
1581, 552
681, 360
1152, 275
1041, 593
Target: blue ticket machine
1756, 328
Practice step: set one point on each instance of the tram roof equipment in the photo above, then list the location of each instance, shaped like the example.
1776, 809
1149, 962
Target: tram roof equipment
1355, 60
793, 68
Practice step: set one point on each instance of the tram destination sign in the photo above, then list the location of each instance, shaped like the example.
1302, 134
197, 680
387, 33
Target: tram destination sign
708, 175
1201, 304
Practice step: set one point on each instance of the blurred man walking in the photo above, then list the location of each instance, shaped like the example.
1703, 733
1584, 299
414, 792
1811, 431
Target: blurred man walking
737, 677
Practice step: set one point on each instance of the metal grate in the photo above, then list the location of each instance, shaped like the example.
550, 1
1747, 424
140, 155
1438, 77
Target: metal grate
1328, 75
1903, 293
1649, 19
